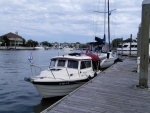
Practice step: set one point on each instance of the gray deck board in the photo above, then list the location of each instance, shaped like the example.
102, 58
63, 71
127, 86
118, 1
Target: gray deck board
113, 91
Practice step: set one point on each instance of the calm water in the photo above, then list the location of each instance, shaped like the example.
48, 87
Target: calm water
17, 95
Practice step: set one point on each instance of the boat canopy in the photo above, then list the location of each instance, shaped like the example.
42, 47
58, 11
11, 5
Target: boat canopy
93, 56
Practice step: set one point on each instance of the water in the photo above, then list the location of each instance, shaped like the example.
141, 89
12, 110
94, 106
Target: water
17, 95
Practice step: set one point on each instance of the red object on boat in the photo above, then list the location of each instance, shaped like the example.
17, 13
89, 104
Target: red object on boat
93, 56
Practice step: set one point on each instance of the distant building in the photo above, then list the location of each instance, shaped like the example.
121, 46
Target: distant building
11, 39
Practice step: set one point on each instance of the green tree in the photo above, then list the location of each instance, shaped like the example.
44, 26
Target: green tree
5, 41
45, 43
128, 40
116, 42
24, 41
32, 43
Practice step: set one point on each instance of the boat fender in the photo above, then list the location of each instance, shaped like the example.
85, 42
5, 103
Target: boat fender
89, 77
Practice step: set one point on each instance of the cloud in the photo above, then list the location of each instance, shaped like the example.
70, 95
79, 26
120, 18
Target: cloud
51, 19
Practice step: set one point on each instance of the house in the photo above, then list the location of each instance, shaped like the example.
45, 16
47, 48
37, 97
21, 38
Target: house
11, 39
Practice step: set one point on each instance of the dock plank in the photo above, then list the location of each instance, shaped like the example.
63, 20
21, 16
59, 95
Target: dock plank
113, 91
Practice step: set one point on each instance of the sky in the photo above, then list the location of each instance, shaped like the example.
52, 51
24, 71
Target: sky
69, 20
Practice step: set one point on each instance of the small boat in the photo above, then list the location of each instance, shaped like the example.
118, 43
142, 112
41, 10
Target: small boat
65, 74
39, 48
68, 49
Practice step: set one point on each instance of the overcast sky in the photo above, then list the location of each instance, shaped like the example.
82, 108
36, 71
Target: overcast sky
68, 20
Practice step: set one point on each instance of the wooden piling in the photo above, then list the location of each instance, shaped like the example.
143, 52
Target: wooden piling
138, 41
144, 49
130, 44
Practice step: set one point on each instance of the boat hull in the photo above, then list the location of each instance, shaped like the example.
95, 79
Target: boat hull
107, 63
57, 89
127, 52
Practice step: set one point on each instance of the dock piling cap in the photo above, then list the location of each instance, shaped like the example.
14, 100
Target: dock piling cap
146, 2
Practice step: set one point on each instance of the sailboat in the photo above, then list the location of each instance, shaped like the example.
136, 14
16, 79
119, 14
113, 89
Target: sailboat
111, 56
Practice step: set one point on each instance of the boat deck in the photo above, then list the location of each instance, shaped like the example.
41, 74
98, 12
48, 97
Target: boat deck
113, 91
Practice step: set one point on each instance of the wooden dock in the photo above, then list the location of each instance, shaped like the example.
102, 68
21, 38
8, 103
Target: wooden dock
113, 91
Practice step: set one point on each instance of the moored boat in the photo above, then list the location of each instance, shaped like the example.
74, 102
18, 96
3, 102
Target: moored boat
65, 74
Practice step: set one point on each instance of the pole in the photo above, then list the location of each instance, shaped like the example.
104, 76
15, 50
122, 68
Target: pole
144, 49
130, 44
108, 25
105, 19
138, 41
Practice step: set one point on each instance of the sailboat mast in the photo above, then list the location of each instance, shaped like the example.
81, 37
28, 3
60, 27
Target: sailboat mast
105, 18
108, 25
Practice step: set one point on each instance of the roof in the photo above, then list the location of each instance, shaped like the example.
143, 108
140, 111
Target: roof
79, 56
11, 35
75, 57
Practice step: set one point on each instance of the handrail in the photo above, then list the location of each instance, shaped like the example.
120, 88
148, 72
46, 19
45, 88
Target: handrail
67, 72
52, 73
50, 69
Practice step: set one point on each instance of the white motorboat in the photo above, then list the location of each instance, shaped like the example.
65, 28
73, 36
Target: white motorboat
124, 49
68, 49
65, 74
39, 48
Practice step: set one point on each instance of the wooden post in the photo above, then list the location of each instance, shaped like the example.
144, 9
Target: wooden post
122, 48
138, 41
144, 49
130, 44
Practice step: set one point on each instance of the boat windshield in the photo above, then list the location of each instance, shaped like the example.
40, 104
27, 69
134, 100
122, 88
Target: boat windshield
85, 64
61, 63
72, 64
52, 63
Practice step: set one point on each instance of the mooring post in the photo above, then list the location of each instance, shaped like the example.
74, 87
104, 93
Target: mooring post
122, 47
130, 44
138, 41
144, 49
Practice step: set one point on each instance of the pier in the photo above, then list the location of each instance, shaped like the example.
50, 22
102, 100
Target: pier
112, 91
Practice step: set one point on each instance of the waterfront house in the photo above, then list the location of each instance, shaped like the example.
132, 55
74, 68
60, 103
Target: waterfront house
11, 39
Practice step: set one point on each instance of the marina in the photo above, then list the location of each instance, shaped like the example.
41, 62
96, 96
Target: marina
50, 63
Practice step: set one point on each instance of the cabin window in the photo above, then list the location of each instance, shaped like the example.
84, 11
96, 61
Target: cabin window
72, 64
85, 64
125, 46
61, 63
132, 46
88, 64
119, 46
52, 63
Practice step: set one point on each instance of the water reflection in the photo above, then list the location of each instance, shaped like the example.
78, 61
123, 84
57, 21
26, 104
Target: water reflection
45, 103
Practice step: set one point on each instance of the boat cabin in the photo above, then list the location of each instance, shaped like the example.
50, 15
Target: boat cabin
76, 61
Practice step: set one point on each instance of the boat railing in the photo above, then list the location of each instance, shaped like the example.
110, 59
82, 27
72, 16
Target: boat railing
67, 72
36, 69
